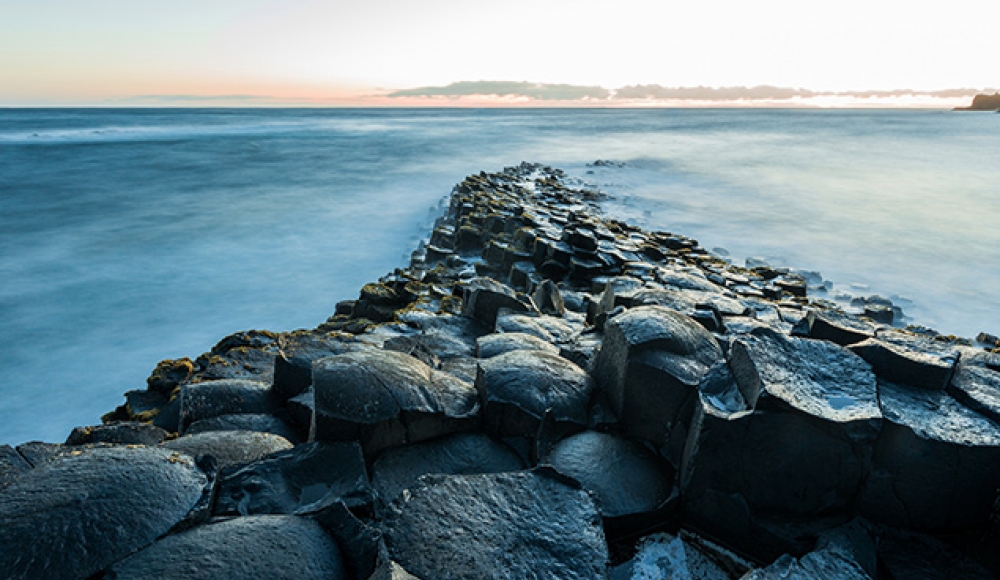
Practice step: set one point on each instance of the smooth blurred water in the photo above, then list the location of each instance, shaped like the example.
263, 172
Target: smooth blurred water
129, 236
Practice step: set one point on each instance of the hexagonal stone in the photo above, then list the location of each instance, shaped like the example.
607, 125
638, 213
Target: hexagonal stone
123, 433
978, 388
843, 329
224, 397
229, 447
503, 526
498, 343
936, 462
461, 454
898, 363
269, 546
294, 479
12, 465
385, 398
75, 515
260, 422
518, 388
484, 297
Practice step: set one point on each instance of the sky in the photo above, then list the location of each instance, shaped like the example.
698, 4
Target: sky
56, 52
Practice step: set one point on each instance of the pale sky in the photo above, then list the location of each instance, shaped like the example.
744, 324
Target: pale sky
93, 51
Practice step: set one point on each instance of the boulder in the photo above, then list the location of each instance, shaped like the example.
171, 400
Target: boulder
269, 546
484, 297
295, 479
518, 388
224, 397
896, 363
293, 363
548, 299
649, 365
502, 526
229, 447
385, 398
122, 433
936, 462
461, 454
629, 482
495, 344
75, 515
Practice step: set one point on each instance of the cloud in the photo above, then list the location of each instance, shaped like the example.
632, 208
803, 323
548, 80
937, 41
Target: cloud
537, 91
247, 100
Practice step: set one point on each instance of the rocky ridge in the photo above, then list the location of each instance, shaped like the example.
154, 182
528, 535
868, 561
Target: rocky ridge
542, 393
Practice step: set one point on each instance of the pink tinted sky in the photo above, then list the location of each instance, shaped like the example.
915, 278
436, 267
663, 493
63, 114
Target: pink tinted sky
263, 52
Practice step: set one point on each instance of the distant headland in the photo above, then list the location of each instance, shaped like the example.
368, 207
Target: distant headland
983, 103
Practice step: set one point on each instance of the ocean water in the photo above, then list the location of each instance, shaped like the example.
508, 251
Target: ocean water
129, 236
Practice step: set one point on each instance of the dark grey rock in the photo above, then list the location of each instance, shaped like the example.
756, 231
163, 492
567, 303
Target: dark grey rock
625, 478
936, 463
669, 557
518, 388
898, 364
269, 546
548, 299
229, 447
389, 570
118, 434
834, 326
685, 279
649, 365
224, 397
910, 556
484, 297
80, 512
38, 452
293, 364
499, 343
385, 398
12, 465
294, 479
263, 423
547, 328
462, 454
516, 526
440, 345
977, 388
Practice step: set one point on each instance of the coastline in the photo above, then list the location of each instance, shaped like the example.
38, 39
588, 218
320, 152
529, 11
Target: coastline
657, 349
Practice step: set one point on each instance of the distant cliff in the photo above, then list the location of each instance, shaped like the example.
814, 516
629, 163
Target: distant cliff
983, 103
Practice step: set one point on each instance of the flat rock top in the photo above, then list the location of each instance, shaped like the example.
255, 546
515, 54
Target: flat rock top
659, 328
230, 447
80, 512
246, 548
937, 416
519, 526
814, 376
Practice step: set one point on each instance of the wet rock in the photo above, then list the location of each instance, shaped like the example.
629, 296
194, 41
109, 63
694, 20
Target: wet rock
899, 364
229, 447
263, 423
37, 452
267, 546
685, 279
118, 434
978, 389
293, 364
629, 482
936, 463
547, 328
168, 374
440, 345
548, 299
492, 345
295, 479
12, 465
502, 526
909, 556
77, 514
518, 388
462, 454
649, 365
384, 399
669, 557
484, 297
834, 326
389, 570
224, 397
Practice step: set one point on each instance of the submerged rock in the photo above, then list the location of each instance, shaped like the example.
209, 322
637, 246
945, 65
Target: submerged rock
504, 526
274, 547
77, 514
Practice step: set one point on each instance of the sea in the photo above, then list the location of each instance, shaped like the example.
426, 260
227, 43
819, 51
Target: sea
128, 236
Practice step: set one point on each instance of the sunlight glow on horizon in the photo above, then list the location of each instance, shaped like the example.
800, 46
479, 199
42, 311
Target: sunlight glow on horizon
316, 52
